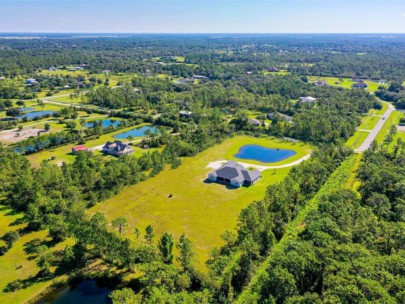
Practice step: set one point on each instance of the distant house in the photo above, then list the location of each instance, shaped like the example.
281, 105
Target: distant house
77, 68
106, 72
31, 81
320, 83
185, 80
235, 175
249, 73
360, 85
185, 114
200, 77
307, 99
254, 122
283, 116
117, 148
52, 69
79, 148
272, 69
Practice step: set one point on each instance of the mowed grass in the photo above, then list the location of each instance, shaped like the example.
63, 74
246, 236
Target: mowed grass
393, 119
16, 264
381, 111
347, 83
399, 135
64, 153
369, 122
357, 139
201, 210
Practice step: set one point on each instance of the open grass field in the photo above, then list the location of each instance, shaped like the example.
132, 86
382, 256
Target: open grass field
281, 73
63, 153
201, 210
346, 83
16, 263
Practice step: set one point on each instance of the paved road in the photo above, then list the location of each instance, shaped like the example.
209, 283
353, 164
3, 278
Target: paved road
373, 134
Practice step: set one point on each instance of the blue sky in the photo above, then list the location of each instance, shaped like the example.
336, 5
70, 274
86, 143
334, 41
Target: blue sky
203, 16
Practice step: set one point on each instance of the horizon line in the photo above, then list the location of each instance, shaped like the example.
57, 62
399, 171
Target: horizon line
213, 33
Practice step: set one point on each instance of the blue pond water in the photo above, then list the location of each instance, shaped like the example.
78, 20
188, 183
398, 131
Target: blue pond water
105, 123
262, 154
138, 132
87, 292
32, 115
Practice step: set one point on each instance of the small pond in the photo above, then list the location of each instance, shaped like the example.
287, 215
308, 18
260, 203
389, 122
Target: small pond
138, 132
32, 115
105, 123
86, 292
262, 154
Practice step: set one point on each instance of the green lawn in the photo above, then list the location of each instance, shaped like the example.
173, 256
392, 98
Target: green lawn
346, 83
357, 139
396, 137
369, 122
63, 153
392, 120
280, 72
381, 111
203, 211
16, 264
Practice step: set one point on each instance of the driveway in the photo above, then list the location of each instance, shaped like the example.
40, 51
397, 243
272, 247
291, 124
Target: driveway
374, 132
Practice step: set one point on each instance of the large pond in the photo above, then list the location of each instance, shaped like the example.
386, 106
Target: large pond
105, 123
35, 114
86, 292
262, 154
138, 132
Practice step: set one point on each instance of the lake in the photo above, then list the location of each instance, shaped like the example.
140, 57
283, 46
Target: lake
86, 292
262, 154
32, 115
138, 132
105, 123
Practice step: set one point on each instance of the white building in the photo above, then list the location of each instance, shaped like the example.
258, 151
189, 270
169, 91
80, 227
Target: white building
307, 99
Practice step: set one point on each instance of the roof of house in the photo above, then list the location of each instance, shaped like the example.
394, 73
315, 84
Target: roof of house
116, 146
307, 99
360, 85
321, 83
286, 117
234, 171
183, 112
254, 121
80, 148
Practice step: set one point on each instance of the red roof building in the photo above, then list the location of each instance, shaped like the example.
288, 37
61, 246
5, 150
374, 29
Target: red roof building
79, 148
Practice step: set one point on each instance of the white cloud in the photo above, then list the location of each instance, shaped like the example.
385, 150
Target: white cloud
403, 15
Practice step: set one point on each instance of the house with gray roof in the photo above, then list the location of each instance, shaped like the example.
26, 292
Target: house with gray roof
280, 115
117, 148
235, 175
